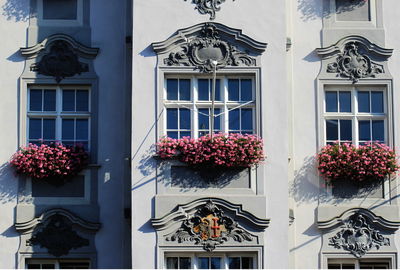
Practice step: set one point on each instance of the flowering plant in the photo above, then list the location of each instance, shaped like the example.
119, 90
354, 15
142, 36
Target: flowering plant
365, 162
50, 161
232, 150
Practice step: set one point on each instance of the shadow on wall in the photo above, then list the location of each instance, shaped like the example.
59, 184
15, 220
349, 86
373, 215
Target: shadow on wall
17, 10
8, 189
311, 9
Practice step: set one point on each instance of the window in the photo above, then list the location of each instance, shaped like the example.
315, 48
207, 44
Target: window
188, 100
57, 264
359, 264
58, 114
214, 261
355, 114
355, 10
60, 12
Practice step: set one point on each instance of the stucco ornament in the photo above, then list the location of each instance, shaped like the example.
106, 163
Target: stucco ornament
57, 236
209, 227
202, 50
358, 237
354, 65
208, 6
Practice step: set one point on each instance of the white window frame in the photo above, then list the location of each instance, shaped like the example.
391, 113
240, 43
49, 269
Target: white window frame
58, 114
46, 22
194, 103
356, 262
56, 262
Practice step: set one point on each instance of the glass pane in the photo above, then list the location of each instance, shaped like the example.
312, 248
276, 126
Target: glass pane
172, 134
35, 99
234, 120
345, 101
346, 130
82, 129
203, 262
377, 102
363, 101
172, 118
185, 263
331, 101
364, 130
49, 129
203, 118
204, 89
215, 263
74, 265
234, 262
247, 263
59, 9
348, 266
33, 266
233, 89
217, 120
378, 130
68, 100
49, 100
35, 128
184, 89
172, 89
82, 100
172, 263
184, 118
246, 90
333, 266
218, 90
247, 119
68, 129
332, 130
185, 134
48, 266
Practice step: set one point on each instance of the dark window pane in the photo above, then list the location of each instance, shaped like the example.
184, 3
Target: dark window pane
331, 101
203, 118
185, 134
204, 89
172, 89
332, 130
172, 263
49, 129
172, 118
82, 100
377, 102
247, 263
68, 129
333, 266
35, 99
203, 262
74, 265
215, 263
48, 266
35, 128
363, 101
345, 130
82, 129
378, 130
218, 90
234, 120
33, 266
233, 89
364, 130
68, 100
345, 101
184, 89
185, 263
348, 266
172, 134
234, 262
49, 100
217, 120
60, 9
184, 118
246, 90
247, 119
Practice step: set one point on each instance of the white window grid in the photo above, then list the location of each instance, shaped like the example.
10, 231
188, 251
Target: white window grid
195, 104
378, 263
55, 263
354, 115
59, 114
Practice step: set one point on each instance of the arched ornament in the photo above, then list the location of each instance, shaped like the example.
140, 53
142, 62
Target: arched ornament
198, 46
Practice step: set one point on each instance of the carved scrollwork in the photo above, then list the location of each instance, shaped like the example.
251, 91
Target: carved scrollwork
208, 7
209, 227
201, 51
358, 237
354, 65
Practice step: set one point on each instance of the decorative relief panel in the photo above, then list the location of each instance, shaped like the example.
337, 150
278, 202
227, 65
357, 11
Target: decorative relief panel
209, 7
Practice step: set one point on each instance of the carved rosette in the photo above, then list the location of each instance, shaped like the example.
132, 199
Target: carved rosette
57, 236
358, 237
209, 7
354, 65
209, 227
201, 51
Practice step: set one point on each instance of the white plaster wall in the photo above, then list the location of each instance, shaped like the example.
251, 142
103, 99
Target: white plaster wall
156, 20
13, 24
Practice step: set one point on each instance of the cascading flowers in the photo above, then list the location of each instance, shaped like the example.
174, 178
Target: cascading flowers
50, 161
224, 150
367, 162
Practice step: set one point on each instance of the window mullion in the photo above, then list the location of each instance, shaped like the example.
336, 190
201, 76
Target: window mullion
58, 112
225, 126
194, 113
